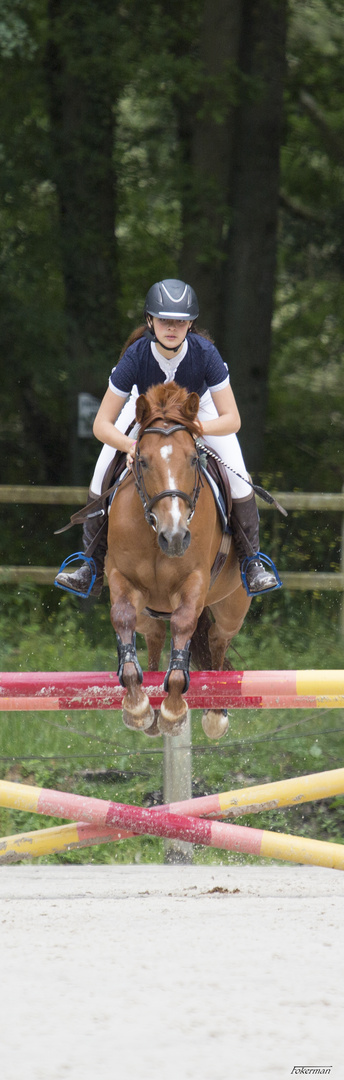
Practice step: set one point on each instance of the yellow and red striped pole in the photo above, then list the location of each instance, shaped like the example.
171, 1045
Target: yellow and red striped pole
159, 822
28, 691
59, 839
253, 800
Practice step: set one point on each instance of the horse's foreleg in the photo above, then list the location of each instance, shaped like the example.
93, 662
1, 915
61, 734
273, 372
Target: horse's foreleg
174, 708
229, 615
154, 631
137, 712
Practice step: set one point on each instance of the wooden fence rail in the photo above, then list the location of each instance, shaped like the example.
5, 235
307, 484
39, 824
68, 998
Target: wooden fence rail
72, 496
77, 496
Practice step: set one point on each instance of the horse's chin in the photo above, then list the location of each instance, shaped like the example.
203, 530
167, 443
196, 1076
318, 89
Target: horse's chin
176, 545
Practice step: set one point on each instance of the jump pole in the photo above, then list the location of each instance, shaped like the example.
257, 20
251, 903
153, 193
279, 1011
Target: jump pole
235, 803
253, 800
25, 691
58, 839
158, 822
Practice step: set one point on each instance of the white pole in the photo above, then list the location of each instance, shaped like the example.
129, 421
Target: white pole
178, 785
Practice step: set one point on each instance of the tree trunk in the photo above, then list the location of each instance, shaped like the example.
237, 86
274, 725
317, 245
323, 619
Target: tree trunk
80, 65
230, 138
251, 254
206, 142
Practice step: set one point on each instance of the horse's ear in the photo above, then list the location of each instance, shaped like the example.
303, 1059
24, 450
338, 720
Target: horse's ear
191, 406
143, 409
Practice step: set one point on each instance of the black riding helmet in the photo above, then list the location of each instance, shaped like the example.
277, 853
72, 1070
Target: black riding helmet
171, 299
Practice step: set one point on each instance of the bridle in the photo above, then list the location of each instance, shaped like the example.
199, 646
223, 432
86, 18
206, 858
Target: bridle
147, 501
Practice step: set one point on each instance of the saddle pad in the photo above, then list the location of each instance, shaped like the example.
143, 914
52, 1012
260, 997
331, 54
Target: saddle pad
122, 476
219, 500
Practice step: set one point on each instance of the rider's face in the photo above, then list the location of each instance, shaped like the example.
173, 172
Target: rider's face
171, 332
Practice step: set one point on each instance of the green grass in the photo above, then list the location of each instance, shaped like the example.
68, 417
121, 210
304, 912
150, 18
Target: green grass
71, 750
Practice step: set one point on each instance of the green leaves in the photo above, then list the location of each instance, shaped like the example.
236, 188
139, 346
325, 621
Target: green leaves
306, 405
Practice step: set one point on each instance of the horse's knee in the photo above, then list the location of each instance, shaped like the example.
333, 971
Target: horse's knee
123, 616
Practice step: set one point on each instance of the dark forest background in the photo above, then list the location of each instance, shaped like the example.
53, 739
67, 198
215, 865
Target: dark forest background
140, 141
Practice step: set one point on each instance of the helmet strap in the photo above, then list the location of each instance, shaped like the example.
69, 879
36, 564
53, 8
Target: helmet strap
168, 347
155, 338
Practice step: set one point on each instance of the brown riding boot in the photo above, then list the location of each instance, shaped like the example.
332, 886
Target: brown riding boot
80, 580
245, 527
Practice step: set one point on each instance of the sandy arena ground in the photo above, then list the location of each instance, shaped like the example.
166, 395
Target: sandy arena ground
170, 973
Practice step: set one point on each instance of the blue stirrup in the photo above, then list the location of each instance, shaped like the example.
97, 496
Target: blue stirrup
75, 558
270, 565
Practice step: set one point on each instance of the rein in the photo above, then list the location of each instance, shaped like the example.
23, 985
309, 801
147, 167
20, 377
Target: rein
265, 495
147, 501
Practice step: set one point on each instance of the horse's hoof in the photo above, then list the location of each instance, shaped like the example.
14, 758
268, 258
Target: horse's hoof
171, 717
172, 725
215, 723
166, 728
153, 731
138, 721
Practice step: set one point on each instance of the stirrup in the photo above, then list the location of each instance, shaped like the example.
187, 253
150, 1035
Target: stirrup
75, 558
268, 563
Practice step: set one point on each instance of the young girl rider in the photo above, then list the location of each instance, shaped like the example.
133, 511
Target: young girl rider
169, 347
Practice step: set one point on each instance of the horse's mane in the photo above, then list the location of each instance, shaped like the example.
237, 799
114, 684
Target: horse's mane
171, 403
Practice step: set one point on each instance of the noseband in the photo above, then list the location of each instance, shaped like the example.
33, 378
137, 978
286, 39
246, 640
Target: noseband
170, 493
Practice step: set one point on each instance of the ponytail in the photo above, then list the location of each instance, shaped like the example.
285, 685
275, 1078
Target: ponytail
201, 333
134, 336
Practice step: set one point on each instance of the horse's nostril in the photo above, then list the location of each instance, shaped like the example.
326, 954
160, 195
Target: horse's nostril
163, 542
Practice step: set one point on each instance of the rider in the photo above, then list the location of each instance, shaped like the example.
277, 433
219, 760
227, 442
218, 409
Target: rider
169, 347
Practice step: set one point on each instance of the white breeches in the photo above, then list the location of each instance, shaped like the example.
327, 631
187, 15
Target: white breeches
226, 446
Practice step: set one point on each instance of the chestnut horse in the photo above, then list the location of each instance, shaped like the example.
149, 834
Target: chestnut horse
164, 534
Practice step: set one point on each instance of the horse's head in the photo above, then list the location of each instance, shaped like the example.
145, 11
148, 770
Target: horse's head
167, 463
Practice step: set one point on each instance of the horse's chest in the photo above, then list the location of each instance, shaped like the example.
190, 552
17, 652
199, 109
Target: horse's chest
162, 581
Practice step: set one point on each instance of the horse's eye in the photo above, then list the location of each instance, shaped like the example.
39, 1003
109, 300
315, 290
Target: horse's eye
194, 460
143, 463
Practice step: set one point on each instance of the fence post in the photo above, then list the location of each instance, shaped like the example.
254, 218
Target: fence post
178, 785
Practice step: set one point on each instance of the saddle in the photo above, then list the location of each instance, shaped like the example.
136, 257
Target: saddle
217, 477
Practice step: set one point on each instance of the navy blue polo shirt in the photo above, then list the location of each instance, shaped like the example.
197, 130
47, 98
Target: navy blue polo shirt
201, 369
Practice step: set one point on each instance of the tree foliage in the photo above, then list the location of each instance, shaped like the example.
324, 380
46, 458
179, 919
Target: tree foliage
31, 282
134, 147
306, 411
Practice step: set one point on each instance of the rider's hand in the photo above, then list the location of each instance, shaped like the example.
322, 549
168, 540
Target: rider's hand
131, 454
